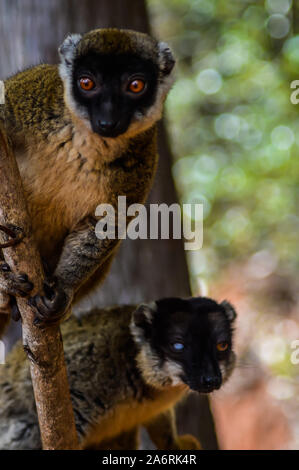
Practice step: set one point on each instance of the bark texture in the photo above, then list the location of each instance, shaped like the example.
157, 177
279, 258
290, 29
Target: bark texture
44, 347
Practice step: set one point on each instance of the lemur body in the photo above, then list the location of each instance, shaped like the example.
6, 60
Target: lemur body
127, 367
78, 147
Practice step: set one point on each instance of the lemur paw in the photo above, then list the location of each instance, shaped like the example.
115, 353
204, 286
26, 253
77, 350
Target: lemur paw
187, 442
17, 285
51, 307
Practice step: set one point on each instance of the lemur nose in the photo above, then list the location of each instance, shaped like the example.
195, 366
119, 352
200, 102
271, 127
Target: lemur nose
211, 381
107, 125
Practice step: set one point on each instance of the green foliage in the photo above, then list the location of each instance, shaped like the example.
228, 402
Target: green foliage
234, 131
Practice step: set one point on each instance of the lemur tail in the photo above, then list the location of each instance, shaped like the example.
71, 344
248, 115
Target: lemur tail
4, 321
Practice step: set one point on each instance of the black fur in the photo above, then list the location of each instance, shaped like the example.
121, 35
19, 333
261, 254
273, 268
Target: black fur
199, 324
109, 101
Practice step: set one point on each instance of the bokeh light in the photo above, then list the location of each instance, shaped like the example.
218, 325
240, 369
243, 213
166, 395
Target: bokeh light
209, 81
235, 138
278, 26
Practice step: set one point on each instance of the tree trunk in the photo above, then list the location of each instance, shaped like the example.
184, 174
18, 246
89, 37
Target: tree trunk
30, 31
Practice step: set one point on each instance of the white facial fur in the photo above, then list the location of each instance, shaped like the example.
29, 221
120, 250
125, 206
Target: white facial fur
140, 122
67, 53
148, 361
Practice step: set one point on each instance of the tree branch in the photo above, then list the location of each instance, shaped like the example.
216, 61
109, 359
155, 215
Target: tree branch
44, 348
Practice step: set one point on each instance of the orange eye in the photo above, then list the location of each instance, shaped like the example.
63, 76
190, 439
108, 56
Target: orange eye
222, 346
86, 83
137, 86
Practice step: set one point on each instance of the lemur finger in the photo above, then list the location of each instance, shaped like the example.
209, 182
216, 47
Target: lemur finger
46, 312
49, 291
4, 267
14, 284
40, 310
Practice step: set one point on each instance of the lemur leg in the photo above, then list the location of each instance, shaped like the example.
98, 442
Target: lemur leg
94, 280
125, 441
162, 430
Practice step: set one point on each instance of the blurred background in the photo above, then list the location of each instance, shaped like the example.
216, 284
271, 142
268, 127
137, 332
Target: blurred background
233, 141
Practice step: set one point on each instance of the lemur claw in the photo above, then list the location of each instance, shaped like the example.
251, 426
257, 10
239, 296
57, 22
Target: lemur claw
52, 307
14, 284
15, 233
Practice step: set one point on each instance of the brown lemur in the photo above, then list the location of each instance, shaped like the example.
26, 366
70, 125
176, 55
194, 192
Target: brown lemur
83, 133
127, 367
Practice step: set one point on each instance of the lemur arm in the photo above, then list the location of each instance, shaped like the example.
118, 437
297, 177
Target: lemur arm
82, 254
162, 431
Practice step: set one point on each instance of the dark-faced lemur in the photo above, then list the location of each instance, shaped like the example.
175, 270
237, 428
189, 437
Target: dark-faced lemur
83, 133
127, 367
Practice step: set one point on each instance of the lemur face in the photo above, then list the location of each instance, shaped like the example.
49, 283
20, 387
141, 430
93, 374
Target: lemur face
114, 89
185, 342
115, 80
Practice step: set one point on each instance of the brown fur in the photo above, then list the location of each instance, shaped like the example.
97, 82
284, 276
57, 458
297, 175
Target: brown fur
68, 170
122, 419
111, 397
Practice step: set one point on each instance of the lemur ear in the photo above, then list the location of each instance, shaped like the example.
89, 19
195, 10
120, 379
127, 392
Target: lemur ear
166, 59
144, 314
67, 50
229, 310
141, 322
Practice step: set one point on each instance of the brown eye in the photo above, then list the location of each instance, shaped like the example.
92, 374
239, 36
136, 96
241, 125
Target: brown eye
222, 346
86, 83
137, 86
